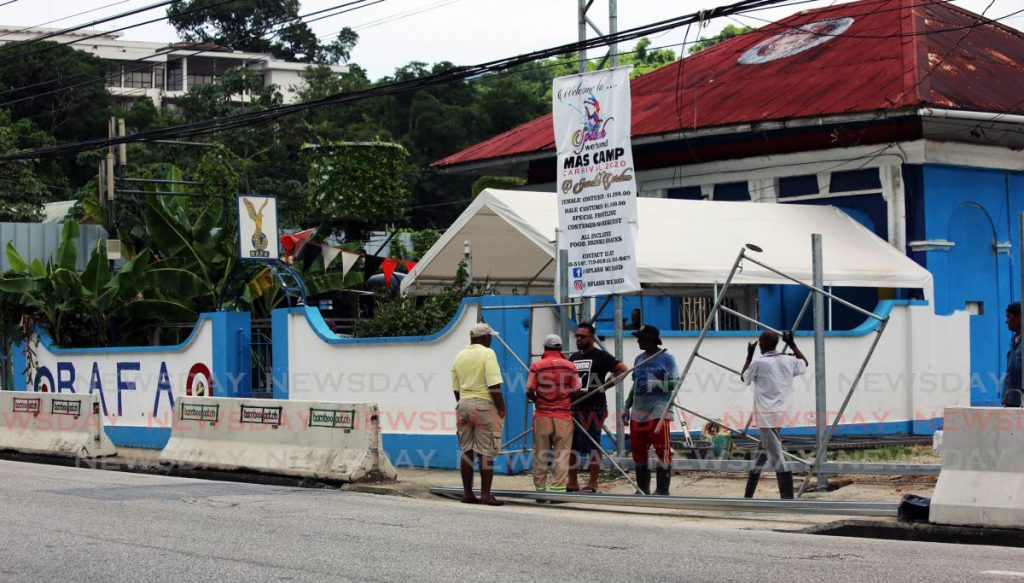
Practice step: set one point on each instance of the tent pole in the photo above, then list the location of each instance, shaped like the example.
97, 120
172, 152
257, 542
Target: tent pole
620, 397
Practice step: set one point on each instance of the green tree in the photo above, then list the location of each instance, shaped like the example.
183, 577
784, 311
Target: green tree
645, 60
22, 193
360, 181
258, 26
34, 79
727, 33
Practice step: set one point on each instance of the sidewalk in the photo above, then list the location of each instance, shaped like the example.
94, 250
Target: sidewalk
416, 483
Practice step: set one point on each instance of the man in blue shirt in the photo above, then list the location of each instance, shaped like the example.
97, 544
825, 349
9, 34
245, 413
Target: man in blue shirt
648, 402
1012, 379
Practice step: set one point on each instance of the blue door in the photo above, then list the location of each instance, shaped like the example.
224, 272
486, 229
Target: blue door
973, 278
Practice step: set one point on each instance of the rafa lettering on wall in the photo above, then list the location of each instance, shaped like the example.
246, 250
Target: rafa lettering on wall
136, 387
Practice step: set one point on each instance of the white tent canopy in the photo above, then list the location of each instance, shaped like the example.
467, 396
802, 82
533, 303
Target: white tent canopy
681, 244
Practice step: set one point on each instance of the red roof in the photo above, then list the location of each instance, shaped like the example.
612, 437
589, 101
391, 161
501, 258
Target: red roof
859, 57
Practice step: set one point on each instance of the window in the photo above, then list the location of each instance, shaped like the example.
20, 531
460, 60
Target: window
114, 75
201, 79
732, 191
849, 180
798, 185
685, 193
137, 77
174, 77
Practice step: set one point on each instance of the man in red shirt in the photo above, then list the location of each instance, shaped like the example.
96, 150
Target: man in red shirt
553, 384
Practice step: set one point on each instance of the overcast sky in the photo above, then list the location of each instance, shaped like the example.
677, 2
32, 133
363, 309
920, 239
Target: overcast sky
395, 32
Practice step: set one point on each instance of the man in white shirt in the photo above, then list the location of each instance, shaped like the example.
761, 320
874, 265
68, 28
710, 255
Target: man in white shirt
772, 375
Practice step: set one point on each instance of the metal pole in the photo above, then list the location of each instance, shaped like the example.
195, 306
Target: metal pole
743, 433
582, 23
563, 294
819, 459
600, 310
610, 458
887, 509
818, 289
829, 310
704, 331
613, 28
513, 353
819, 355
747, 318
720, 365
516, 438
714, 298
803, 310
620, 397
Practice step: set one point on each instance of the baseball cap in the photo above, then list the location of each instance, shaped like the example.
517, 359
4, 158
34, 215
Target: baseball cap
552, 341
481, 329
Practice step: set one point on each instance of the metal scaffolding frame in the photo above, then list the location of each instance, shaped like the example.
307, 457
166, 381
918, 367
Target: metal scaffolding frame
818, 293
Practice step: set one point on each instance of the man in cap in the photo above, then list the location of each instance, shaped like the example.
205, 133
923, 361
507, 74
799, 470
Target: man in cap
553, 384
647, 405
772, 376
595, 366
1011, 384
480, 411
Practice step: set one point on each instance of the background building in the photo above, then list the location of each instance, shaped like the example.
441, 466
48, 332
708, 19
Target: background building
163, 72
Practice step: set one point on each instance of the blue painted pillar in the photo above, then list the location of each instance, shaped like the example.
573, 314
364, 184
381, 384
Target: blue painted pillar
279, 335
232, 357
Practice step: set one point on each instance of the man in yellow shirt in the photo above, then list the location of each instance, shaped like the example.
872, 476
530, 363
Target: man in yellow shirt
479, 411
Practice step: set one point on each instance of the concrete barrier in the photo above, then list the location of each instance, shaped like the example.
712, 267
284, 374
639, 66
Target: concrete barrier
982, 477
331, 441
63, 424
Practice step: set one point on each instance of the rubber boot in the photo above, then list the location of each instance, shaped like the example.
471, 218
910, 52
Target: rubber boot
785, 484
643, 478
664, 477
752, 479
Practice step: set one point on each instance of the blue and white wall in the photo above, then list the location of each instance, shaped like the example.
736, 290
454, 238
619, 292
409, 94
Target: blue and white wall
909, 382
408, 377
964, 227
137, 386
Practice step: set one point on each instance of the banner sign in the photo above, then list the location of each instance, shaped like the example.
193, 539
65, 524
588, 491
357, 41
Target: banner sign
257, 227
596, 182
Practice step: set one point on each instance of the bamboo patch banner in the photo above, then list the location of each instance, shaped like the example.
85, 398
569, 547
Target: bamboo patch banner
596, 182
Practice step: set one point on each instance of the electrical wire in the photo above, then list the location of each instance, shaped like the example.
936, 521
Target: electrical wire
75, 15
452, 75
64, 31
150, 65
98, 34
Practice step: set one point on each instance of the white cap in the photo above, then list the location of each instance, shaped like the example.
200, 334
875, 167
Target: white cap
481, 329
552, 341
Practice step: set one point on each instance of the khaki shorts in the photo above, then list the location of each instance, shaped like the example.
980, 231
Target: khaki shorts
479, 427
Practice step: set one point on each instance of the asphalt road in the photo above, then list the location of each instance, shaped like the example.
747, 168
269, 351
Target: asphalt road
68, 524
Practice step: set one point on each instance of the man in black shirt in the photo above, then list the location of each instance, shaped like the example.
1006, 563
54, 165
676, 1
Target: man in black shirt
595, 367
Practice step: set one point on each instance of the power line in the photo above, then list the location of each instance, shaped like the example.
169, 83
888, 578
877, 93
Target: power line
359, 4
453, 75
84, 12
8, 2
99, 34
71, 29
